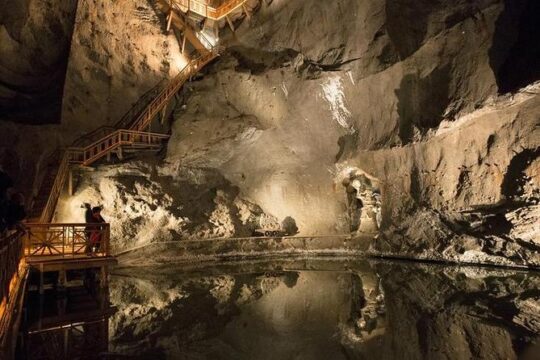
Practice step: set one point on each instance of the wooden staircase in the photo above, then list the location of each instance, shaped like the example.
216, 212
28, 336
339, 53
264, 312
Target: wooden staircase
40, 202
131, 133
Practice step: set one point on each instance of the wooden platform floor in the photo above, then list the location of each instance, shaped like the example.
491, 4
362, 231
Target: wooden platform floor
72, 319
69, 262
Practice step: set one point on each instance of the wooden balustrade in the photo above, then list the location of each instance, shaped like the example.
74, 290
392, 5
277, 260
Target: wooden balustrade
11, 254
109, 143
146, 117
202, 8
65, 240
58, 185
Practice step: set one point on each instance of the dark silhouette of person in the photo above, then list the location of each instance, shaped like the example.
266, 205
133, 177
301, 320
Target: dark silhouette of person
15, 211
5, 183
95, 236
88, 229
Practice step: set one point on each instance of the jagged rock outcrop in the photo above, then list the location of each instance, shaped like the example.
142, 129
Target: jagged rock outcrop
469, 193
146, 203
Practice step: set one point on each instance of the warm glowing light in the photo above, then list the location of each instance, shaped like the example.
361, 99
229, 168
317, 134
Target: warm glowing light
180, 61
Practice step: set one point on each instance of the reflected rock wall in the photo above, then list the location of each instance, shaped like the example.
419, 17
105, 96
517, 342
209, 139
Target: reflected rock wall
326, 309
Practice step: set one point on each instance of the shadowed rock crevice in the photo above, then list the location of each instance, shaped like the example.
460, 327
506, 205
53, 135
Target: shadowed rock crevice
422, 102
514, 185
34, 58
515, 55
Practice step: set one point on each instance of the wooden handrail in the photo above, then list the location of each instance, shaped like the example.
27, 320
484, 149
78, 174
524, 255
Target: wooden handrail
63, 240
58, 185
11, 254
145, 118
203, 9
102, 147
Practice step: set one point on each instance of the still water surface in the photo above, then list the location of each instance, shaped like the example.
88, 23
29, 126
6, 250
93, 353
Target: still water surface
300, 309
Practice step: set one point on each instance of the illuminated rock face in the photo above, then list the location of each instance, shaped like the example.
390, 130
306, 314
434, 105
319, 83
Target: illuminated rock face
120, 51
303, 102
110, 53
147, 203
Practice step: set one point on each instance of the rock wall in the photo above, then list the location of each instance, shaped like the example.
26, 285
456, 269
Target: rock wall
302, 101
110, 53
120, 51
147, 202
35, 38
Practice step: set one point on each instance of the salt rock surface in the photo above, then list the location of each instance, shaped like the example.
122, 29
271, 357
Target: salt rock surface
147, 203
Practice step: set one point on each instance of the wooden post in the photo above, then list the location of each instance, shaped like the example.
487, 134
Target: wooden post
229, 22
103, 277
248, 15
163, 113
183, 43
119, 153
169, 20
41, 280
62, 278
70, 182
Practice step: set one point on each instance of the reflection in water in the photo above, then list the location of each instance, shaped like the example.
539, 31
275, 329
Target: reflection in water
68, 324
324, 310
292, 309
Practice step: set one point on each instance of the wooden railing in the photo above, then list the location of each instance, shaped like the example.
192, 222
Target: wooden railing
58, 185
126, 120
159, 102
11, 254
65, 240
91, 153
200, 7
111, 142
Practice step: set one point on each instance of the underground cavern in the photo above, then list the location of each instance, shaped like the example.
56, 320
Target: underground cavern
269, 179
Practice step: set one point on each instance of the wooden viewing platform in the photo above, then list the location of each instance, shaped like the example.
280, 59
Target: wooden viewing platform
63, 247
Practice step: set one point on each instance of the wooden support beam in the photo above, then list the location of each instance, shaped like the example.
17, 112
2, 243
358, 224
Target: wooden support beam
183, 43
70, 182
62, 278
104, 277
169, 20
248, 15
41, 280
163, 114
231, 25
